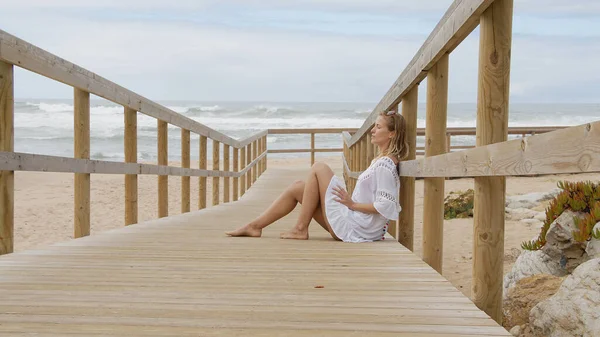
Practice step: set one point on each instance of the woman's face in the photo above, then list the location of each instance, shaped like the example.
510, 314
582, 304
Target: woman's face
380, 134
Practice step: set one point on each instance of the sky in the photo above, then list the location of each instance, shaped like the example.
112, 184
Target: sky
297, 51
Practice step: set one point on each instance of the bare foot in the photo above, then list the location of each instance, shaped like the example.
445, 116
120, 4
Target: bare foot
247, 230
295, 235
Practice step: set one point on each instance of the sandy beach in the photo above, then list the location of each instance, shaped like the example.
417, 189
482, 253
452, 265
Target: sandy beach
44, 210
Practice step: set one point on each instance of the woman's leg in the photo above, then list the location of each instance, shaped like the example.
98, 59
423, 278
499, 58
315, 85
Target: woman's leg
313, 198
281, 207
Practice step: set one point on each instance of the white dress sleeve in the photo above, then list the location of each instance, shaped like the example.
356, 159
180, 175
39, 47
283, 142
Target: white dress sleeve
386, 192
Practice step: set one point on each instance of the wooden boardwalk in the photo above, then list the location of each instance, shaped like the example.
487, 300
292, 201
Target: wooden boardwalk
181, 276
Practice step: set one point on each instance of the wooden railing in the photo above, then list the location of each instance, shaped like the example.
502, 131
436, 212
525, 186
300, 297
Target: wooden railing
420, 150
249, 155
567, 150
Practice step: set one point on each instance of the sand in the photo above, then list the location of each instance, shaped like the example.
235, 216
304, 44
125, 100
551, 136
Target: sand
44, 211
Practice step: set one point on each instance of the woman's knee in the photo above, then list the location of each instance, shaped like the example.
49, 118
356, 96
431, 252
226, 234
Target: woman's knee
297, 188
320, 166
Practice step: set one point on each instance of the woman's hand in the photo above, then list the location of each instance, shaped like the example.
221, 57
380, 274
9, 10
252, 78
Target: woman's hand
343, 197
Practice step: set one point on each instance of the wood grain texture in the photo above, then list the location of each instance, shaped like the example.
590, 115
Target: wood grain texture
163, 159
406, 219
131, 180
181, 276
7, 177
242, 166
215, 166
492, 125
202, 166
82, 192
248, 167
254, 156
458, 22
435, 143
312, 149
185, 163
226, 180
236, 180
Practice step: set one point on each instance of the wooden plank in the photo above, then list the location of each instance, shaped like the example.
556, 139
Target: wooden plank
254, 156
215, 182
81, 151
7, 177
226, 185
202, 180
406, 219
243, 166
572, 150
155, 278
131, 180
236, 180
492, 124
25, 55
457, 23
163, 159
435, 140
185, 163
248, 166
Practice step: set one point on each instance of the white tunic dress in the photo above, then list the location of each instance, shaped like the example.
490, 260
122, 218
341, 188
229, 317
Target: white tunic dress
378, 185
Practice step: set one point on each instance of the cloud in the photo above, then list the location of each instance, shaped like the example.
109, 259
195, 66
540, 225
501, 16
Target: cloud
307, 50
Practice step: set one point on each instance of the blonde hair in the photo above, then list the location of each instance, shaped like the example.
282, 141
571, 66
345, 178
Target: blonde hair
398, 147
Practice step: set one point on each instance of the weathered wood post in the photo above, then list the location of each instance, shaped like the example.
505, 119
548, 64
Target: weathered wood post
242, 167
406, 221
226, 180
248, 161
131, 180
185, 163
82, 151
236, 180
215, 181
202, 166
492, 127
312, 149
7, 178
435, 143
163, 180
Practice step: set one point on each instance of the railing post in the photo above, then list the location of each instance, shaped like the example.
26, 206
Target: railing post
215, 181
370, 149
131, 180
248, 161
225, 169
393, 225
312, 149
435, 143
492, 127
254, 156
82, 151
406, 221
163, 180
242, 167
185, 163
266, 149
202, 166
236, 180
7, 178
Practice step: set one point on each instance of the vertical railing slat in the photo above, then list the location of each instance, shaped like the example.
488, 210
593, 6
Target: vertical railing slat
202, 166
226, 180
492, 127
82, 151
435, 143
406, 220
185, 163
242, 167
131, 180
7, 178
215, 181
236, 180
163, 159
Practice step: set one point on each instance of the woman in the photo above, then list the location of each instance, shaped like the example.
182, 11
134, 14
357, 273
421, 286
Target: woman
362, 217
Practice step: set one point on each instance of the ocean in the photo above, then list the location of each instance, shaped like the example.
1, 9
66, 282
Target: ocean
46, 126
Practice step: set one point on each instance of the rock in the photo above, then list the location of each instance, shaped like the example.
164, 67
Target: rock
526, 293
531, 199
560, 244
575, 309
520, 213
533, 222
531, 263
515, 331
520, 204
593, 246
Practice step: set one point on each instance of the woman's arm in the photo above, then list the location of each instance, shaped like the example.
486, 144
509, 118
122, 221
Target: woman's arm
345, 199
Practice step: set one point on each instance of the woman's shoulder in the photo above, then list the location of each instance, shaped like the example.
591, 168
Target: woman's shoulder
386, 161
